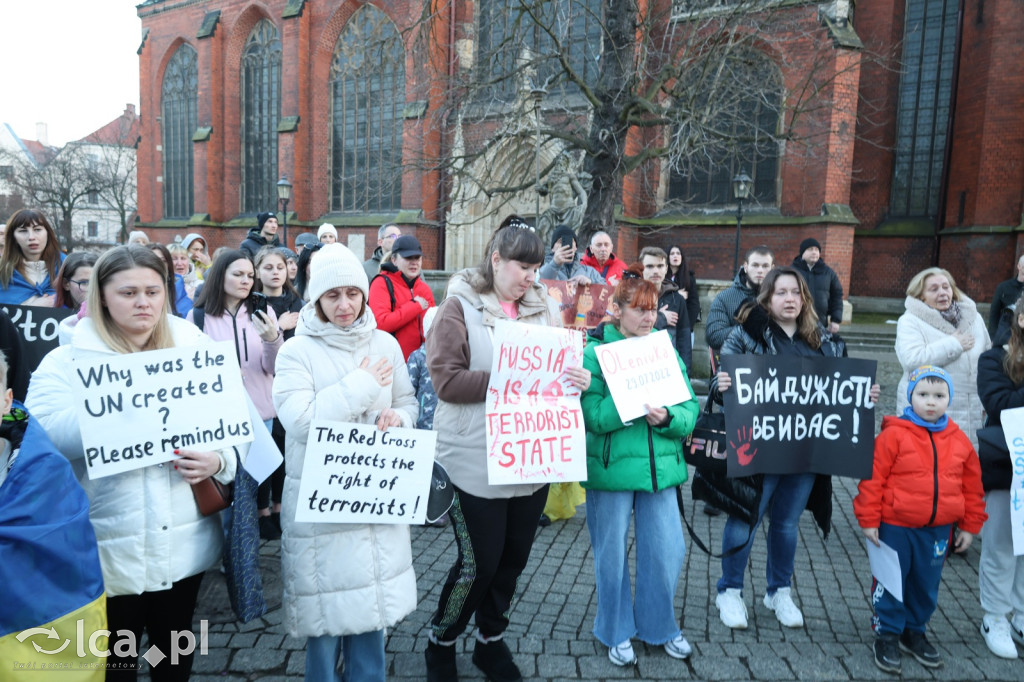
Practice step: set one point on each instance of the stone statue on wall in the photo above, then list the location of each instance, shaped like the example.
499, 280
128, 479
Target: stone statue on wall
568, 190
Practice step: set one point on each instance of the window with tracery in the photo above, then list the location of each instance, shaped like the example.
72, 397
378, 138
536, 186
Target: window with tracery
178, 120
261, 110
367, 98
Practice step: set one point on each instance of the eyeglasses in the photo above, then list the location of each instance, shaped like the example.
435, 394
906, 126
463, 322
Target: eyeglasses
392, 236
80, 283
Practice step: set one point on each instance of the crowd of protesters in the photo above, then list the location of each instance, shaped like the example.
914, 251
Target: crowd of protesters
321, 334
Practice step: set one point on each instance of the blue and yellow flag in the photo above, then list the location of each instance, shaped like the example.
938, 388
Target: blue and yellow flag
51, 588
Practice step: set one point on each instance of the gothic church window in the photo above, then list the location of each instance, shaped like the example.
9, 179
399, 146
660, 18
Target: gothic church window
261, 109
367, 99
178, 119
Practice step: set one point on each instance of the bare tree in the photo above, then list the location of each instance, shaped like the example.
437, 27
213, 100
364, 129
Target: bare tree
60, 184
697, 87
113, 173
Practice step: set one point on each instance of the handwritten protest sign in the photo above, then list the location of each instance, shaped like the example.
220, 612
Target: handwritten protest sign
788, 415
356, 473
534, 421
1013, 431
643, 370
135, 409
582, 306
39, 330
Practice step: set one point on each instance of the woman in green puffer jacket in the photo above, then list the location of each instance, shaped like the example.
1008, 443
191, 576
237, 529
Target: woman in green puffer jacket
632, 472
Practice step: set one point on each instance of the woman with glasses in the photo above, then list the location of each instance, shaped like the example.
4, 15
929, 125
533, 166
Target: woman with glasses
72, 283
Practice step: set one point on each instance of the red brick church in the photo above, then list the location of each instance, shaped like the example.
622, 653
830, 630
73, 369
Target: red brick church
917, 160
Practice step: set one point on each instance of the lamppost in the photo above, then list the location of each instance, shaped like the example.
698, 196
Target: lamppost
284, 194
740, 190
538, 94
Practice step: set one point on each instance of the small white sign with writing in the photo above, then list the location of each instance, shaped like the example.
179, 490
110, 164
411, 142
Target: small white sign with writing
1013, 431
136, 409
640, 371
356, 473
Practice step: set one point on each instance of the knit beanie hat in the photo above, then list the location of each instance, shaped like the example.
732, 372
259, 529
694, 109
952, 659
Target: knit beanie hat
564, 234
336, 266
927, 371
808, 243
261, 218
326, 228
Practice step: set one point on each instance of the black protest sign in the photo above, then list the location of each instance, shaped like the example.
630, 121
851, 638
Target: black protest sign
789, 415
39, 329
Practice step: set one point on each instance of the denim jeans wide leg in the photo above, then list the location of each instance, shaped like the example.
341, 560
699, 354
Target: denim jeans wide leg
787, 504
322, 658
737, 533
608, 517
660, 551
364, 657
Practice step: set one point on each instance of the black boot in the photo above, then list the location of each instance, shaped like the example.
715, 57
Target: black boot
441, 663
495, 660
268, 530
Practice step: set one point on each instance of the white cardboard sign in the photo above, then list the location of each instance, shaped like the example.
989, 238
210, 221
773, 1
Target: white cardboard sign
135, 409
642, 370
356, 473
534, 421
1013, 431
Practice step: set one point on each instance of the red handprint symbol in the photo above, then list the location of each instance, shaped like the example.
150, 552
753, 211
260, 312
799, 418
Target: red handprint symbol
744, 453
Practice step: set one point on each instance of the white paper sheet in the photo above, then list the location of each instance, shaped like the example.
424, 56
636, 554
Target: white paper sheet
885, 567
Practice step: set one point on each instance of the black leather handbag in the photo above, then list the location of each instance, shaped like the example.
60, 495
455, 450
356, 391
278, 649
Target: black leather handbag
704, 448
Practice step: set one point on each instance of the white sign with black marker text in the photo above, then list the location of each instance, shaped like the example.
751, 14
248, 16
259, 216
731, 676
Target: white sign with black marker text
356, 473
136, 409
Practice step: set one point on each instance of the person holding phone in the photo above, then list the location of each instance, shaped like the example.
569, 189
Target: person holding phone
230, 312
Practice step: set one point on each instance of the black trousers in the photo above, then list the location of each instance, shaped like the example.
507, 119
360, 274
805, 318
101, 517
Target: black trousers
494, 538
273, 488
159, 613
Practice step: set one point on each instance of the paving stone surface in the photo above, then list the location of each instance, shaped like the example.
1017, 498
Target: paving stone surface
551, 621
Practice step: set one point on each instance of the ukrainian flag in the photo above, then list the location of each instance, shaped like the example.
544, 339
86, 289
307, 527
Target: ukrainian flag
51, 588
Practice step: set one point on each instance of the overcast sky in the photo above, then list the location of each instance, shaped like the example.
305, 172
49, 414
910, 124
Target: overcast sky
71, 64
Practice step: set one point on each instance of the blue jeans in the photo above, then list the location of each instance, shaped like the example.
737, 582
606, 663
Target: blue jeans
784, 497
660, 550
364, 658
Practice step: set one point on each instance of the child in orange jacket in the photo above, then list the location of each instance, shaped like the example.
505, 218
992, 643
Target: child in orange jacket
926, 477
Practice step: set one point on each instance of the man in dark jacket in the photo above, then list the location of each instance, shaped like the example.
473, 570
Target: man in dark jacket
823, 282
722, 315
386, 236
265, 233
672, 313
1005, 297
562, 263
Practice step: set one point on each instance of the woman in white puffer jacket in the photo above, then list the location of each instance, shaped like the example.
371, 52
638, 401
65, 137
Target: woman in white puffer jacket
154, 544
343, 583
942, 327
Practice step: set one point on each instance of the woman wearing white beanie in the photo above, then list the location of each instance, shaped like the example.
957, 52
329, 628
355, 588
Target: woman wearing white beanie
343, 583
328, 234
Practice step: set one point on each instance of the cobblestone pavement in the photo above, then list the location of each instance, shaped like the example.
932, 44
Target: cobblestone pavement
551, 621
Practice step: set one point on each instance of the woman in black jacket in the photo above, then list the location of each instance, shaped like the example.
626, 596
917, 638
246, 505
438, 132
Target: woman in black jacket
1000, 573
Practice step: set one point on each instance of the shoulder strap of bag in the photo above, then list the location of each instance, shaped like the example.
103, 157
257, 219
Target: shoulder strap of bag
693, 534
391, 288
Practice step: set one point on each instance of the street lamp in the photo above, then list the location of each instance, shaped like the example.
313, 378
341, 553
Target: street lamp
740, 190
284, 194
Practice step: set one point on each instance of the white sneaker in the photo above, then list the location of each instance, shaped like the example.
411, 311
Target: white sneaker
731, 609
678, 647
785, 610
996, 631
622, 654
1017, 627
